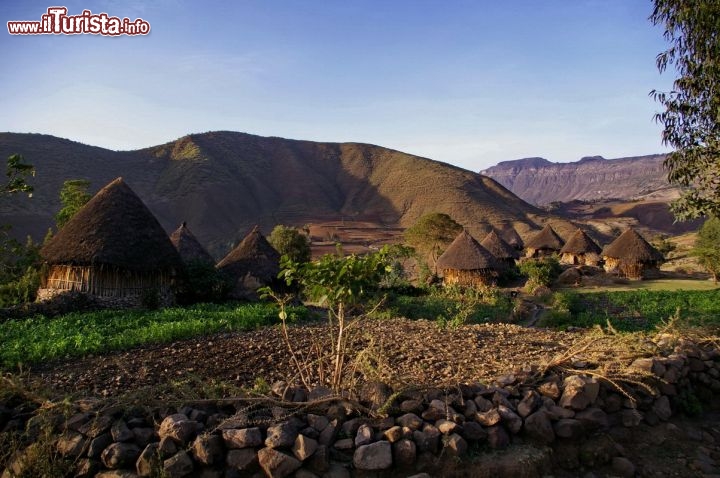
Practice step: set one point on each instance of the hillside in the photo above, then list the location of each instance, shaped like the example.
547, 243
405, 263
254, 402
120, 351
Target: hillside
541, 182
222, 183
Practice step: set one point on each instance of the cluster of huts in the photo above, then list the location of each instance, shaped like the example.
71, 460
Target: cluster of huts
471, 263
115, 250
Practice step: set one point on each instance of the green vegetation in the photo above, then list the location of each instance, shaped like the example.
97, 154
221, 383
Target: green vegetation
40, 339
690, 120
540, 272
431, 235
288, 241
707, 247
202, 282
630, 311
73, 195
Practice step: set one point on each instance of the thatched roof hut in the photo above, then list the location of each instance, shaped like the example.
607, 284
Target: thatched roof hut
465, 262
632, 256
544, 243
503, 252
252, 264
189, 247
511, 236
580, 249
113, 248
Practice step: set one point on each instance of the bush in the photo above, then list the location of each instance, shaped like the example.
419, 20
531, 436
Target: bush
202, 282
540, 272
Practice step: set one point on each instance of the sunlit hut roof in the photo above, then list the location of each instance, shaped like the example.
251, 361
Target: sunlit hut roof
497, 247
580, 243
465, 253
511, 236
189, 247
545, 239
116, 229
630, 246
253, 255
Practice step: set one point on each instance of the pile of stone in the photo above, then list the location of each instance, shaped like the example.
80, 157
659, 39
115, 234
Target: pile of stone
311, 434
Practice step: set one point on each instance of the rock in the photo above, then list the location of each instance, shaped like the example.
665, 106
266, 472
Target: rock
456, 445
304, 447
327, 436
428, 439
404, 453
282, 435
593, 418
282, 390
344, 444
474, 432
319, 462
373, 457
597, 450
120, 431
483, 404
549, 389
510, 419
364, 435
393, 434
446, 427
497, 437
630, 417
71, 444
303, 473
489, 418
116, 474
374, 394
318, 422
85, 468
623, 467
120, 455
568, 428
98, 444
569, 277
167, 447
539, 427
241, 459
277, 464
148, 463
179, 428
410, 420
144, 436
579, 392
470, 409
74, 423
235, 438
662, 409
179, 465
411, 406
556, 413
336, 471
208, 449
318, 393
529, 403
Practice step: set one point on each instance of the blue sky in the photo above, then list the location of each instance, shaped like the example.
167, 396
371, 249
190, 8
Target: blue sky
470, 82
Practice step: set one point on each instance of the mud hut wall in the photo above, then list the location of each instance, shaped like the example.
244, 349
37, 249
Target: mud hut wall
471, 278
104, 281
572, 259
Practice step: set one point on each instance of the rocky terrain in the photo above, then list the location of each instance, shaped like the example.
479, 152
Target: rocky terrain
541, 182
223, 183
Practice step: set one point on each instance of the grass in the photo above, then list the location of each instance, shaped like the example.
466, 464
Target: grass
654, 284
634, 310
40, 339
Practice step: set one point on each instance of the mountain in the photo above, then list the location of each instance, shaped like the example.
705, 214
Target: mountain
222, 183
541, 182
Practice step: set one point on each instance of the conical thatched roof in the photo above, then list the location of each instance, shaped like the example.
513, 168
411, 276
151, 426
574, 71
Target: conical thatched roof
497, 247
545, 239
253, 255
512, 237
630, 246
465, 253
116, 229
580, 243
189, 247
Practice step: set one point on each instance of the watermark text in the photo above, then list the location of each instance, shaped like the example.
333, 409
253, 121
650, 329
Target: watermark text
57, 22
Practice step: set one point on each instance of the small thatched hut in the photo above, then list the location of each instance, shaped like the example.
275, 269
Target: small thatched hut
544, 243
252, 264
189, 248
511, 236
632, 256
580, 249
113, 249
503, 252
467, 263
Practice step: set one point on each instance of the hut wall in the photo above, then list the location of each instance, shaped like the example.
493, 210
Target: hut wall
471, 278
611, 264
571, 259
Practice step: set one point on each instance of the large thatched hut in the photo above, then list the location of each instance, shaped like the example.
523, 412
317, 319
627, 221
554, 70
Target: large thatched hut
252, 264
503, 252
544, 243
467, 263
632, 256
113, 249
580, 249
189, 248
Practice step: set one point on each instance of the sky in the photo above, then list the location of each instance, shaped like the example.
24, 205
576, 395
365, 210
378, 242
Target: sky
469, 83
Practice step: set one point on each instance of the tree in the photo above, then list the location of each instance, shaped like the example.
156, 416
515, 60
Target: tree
691, 121
17, 171
707, 247
73, 196
288, 241
432, 233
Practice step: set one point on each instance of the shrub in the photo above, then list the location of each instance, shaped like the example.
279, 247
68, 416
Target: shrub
540, 272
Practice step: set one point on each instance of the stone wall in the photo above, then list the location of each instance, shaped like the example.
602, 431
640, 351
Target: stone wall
554, 423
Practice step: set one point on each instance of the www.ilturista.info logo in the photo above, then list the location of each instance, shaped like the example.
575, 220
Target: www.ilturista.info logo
57, 22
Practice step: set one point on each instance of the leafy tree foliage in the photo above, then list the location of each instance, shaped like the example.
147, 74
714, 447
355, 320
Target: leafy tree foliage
73, 195
707, 247
288, 241
17, 171
540, 272
691, 120
431, 234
